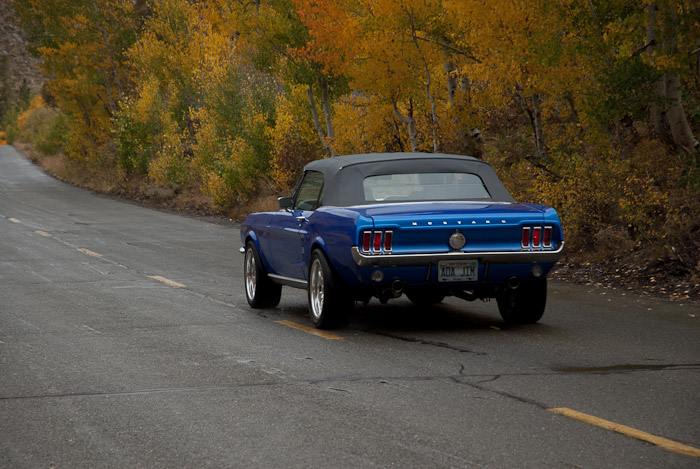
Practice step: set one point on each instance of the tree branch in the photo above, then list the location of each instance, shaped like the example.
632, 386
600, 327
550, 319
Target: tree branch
533, 161
646, 46
449, 47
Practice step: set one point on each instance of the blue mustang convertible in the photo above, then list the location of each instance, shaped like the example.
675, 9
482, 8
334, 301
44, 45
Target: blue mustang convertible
382, 225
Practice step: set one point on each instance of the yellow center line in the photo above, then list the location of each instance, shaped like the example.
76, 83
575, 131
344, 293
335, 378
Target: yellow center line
665, 443
167, 281
310, 330
89, 252
44, 233
14, 220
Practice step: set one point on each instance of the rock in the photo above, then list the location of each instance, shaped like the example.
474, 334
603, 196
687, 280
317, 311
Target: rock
160, 193
13, 39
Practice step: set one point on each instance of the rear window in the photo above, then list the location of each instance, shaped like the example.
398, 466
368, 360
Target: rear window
419, 187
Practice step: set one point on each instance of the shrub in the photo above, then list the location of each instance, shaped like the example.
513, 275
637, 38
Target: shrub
170, 167
294, 141
43, 126
137, 128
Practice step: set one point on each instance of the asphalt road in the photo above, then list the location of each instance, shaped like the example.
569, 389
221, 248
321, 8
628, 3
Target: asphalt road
126, 341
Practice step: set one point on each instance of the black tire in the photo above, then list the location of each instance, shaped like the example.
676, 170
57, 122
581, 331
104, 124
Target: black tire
260, 291
329, 306
525, 304
424, 297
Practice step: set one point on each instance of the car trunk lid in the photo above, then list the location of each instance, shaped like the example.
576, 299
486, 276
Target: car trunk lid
427, 227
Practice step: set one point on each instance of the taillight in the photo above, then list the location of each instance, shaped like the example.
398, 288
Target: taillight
377, 241
547, 238
525, 240
388, 240
366, 241
536, 236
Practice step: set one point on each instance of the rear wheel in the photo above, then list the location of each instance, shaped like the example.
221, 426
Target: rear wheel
328, 304
525, 304
260, 291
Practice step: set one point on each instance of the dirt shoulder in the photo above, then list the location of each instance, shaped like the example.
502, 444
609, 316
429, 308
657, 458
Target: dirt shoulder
657, 280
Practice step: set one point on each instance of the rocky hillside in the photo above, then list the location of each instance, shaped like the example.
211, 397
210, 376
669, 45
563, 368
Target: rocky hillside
13, 45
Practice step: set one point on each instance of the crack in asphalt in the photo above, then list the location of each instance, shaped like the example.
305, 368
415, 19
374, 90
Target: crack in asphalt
508, 395
415, 340
460, 378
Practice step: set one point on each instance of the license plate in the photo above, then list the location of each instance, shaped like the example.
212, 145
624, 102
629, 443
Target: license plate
458, 271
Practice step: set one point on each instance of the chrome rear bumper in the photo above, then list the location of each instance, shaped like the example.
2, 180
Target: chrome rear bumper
397, 260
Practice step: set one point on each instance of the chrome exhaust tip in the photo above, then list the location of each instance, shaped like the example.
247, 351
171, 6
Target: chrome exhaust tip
397, 286
513, 283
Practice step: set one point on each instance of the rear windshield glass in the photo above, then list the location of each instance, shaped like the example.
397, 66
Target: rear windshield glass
418, 187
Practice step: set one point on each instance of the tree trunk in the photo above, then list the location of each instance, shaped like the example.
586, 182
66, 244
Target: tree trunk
656, 107
110, 95
432, 109
326, 103
108, 49
620, 141
537, 125
397, 135
451, 81
697, 61
675, 115
427, 83
410, 123
470, 144
666, 108
534, 116
317, 123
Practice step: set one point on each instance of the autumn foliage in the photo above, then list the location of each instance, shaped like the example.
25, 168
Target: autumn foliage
590, 106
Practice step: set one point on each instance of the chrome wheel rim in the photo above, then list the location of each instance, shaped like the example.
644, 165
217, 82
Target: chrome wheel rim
316, 289
250, 274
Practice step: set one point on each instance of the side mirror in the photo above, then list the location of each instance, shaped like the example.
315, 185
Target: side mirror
285, 202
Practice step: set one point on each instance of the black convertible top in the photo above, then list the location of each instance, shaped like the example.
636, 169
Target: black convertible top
347, 160
343, 175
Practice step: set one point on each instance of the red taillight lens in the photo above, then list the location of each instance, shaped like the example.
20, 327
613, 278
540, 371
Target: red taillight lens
536, 236
377, 241
366, 241
525, 241
388, 240
547, 238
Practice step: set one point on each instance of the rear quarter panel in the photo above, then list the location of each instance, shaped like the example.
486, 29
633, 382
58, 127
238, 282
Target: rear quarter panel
335, 230
551, 218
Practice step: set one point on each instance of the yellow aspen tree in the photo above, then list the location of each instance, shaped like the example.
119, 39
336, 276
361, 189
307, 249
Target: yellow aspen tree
385, 53
82, 44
